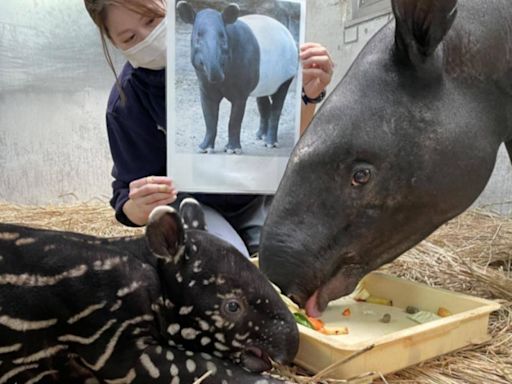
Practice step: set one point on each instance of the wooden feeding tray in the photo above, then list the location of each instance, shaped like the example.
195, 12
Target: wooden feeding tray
400, 343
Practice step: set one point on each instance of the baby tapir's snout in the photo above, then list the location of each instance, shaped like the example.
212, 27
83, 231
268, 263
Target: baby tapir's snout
234, 311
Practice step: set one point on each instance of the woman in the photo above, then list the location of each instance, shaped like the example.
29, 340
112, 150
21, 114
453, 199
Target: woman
136, 122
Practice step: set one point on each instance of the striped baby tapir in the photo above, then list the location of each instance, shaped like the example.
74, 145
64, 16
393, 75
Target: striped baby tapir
172, 306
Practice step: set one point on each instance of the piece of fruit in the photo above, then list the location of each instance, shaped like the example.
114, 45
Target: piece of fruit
346, 312
443, 312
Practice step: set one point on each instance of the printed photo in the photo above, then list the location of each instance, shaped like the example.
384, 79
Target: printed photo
233, 92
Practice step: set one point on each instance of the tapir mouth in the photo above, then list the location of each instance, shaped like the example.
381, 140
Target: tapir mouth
338, 286
256, 359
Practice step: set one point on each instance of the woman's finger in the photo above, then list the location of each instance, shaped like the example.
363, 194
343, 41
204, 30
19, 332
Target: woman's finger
150, 180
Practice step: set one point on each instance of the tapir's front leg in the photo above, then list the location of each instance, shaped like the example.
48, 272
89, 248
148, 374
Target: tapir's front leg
235, 125
166, 365
210, 102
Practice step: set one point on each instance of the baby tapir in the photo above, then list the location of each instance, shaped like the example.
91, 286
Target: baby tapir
168, 307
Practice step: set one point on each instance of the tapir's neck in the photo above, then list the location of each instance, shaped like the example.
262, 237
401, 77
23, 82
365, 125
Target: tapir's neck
477, 48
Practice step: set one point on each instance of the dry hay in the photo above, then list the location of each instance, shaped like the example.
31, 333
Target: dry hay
471, 254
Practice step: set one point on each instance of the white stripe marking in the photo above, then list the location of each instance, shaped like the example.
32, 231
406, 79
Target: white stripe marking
9, 235
43, 354
116, 306
86, 312
13, 372
107, 264
10, 348
127, 290
149, 366
25, 325
113, 341
88, 340
35, 379
25, 241
130, 376
40, 281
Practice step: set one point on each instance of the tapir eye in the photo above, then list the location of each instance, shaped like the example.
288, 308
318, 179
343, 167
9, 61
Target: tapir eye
361, 177
232, 308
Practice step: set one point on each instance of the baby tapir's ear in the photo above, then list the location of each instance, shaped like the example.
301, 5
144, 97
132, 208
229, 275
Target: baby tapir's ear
231, 13
165, 234
186, 12
192, 214
421, 25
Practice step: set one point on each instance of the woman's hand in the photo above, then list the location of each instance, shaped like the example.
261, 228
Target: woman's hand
317, 68
145, 195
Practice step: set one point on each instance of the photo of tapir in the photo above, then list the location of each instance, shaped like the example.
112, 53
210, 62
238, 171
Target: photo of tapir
245, 57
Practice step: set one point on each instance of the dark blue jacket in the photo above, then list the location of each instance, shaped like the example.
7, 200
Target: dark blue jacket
136, 133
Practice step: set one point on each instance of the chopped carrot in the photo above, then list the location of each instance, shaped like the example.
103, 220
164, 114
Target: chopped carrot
316, 323
334, 331
346, 312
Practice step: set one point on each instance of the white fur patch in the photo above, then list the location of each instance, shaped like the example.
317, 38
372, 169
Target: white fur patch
279, 56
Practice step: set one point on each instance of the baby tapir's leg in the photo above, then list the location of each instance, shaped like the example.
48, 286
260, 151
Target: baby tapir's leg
166, 365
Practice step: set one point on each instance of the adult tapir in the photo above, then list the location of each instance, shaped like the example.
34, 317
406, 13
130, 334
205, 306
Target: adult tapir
237, 57
407, 141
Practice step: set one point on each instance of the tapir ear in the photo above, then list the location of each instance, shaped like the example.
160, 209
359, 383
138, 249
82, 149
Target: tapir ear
165, 234
421, 25
186, 12
231, 13
192, 214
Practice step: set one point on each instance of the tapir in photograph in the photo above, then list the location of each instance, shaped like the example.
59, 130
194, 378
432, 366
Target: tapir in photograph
237, 57
407, 141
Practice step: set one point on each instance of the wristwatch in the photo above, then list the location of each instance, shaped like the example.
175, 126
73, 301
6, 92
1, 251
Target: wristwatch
307, 100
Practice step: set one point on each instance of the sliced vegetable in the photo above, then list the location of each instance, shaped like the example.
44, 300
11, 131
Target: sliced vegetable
443, 312
423, 317
334, 331
386, 318
379, 300
346, 312
302, 319
316, 323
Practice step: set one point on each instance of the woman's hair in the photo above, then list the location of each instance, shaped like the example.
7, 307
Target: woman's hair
97, 11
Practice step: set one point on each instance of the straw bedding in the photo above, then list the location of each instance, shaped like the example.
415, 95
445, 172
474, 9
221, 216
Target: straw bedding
471, 254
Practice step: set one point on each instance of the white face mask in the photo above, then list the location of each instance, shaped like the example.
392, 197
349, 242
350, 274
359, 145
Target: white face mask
151, 53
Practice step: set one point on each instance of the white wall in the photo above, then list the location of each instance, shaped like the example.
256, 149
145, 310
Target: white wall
54, 85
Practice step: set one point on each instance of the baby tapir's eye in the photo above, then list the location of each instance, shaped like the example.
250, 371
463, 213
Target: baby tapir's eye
232, 308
